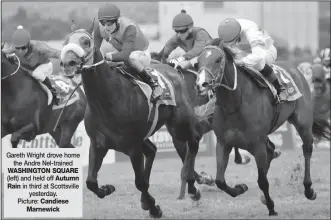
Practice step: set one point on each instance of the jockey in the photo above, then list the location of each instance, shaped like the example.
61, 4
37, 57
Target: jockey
125, 36
188, 37
258, 49
324, 58
34, 57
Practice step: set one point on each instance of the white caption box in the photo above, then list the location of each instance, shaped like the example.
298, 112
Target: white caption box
43, 183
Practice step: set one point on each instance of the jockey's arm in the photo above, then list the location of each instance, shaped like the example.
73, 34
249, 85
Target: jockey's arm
48, 51
201, 39
8, 50
257, 46
171, 45
129, 37
97, 37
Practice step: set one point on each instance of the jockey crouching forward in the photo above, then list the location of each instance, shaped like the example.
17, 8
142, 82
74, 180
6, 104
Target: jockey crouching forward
191, 39
125, 36
34, 57
241, 33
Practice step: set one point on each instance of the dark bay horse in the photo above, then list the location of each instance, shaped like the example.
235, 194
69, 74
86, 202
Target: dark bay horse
198, 100
116, 118
24, 109
245, 113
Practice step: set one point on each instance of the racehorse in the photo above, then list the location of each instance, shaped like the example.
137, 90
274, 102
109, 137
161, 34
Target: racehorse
245, 114
25, 112
206, 124
117, 113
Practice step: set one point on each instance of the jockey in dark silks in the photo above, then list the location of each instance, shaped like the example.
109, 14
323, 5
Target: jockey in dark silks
188, 37
253, 46
34, 57
125, 36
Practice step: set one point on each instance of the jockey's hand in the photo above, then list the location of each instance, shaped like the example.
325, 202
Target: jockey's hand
174, 63
108, 56
239, 62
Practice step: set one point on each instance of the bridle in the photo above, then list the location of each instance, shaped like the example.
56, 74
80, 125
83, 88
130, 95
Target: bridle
218, 77
18, 67
89, 53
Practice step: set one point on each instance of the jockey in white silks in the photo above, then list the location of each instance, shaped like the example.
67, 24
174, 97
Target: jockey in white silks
34, 56
125, 36
253, 48
324, 58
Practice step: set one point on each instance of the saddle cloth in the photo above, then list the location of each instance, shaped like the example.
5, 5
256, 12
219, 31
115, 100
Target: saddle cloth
64, 88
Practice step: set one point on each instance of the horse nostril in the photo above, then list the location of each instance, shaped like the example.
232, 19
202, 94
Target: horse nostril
204, 84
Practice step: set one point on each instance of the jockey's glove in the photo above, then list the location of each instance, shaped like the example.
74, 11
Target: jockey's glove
108, 56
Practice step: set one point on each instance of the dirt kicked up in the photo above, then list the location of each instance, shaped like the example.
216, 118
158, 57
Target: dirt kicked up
286, 188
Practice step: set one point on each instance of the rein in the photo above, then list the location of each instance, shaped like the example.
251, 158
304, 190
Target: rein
218, 77
18, 67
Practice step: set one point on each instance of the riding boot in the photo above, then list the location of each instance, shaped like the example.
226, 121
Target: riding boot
271, 76
147, 78
49, 85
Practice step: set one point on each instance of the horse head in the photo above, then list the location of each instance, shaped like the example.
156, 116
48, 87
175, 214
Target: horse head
318, 79
211, 64
77, 50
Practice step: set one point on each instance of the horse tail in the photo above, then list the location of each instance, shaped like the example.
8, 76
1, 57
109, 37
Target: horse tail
321, 129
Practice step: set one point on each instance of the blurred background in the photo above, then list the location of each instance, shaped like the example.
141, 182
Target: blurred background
299, 28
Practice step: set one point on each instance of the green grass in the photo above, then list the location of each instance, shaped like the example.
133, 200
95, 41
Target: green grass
286, 189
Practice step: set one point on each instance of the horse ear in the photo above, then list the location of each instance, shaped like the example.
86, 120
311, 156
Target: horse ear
2, 45
90, 30
73, 26
212, 42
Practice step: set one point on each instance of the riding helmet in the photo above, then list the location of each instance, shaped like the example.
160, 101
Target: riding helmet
182, 21
109, 11
21, 37
229, 29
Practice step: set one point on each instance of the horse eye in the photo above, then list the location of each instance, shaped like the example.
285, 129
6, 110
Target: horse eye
61, 63
87, 43
72, 63
219, 60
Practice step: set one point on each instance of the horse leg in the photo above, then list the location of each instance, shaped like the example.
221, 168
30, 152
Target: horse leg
222, 157
27, 133
263, 163
187, 173
63, 134
306, 135
181, 148
96, 155
238, 159
137, 161
149, 150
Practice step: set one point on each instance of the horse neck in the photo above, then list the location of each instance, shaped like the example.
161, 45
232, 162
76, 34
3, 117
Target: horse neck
105, 89
13, 85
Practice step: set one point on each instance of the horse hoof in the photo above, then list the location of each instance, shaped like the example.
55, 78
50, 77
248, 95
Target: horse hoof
157, 213
180, 197
144, 206
196, 196
273, 213
105, 191
311, 195
241, 187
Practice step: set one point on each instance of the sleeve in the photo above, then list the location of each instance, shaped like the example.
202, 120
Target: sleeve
255, 36
129, 38
255, 57
48, 51
171, 45
201, 39
97, 37
8, 50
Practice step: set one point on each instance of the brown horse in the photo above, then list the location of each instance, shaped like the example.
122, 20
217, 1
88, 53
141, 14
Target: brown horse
117, 113
24, 109
190, 77
245, 114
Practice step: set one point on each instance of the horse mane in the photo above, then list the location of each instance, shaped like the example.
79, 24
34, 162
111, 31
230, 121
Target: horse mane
219, 43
